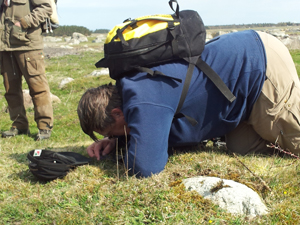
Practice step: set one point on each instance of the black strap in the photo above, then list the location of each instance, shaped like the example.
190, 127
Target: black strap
119, 32
215, 78
191, 120
154, 73
184, 92
186, 86
177, 7
174, 40
120, 35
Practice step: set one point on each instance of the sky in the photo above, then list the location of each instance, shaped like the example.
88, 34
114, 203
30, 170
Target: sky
105, 14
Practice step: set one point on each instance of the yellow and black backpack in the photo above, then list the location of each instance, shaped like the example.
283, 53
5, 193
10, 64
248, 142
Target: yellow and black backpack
150, 40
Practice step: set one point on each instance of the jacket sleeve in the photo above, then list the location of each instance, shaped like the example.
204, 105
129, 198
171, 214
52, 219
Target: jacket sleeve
148, 146
42, 9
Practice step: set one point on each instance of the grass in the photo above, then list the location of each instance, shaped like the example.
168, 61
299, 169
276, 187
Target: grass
296, 57
95, 194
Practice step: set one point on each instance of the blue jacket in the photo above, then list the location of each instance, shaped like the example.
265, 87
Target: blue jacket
149, 104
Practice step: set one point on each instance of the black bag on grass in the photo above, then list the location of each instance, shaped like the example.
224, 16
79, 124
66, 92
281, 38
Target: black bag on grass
49, 165
150, 40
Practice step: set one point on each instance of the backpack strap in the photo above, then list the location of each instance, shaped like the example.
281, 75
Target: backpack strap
185, 88
154, 73
184, 92
215, 78
177, 7
211, 74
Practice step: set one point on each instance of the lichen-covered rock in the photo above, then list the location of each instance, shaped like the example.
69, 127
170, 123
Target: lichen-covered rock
232, 196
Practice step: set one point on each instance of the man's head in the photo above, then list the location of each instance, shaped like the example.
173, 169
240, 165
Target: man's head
99, 108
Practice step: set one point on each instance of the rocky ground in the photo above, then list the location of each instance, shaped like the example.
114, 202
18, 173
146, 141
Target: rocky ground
60, 46
58, 52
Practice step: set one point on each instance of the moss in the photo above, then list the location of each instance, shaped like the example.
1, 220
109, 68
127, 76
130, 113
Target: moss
191, 197
218, 187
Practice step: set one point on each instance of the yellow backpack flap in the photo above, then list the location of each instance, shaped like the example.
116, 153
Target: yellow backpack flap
140, 27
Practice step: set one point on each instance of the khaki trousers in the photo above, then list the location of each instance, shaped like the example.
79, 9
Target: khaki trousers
275, 117
31, 65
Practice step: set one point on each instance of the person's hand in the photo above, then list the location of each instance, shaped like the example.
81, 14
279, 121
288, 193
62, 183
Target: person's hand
18, 24
102, 147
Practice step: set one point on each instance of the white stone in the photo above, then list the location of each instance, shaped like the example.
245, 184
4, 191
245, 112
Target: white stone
287, 41
80, 37
278, 33
52, 39
209, 36
28, 100
66, 46
67, 39
219, 33
74, 42
234, 197
98, 39
65, 81
96, 73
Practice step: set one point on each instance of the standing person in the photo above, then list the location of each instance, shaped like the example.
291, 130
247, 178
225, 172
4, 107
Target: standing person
256, 67
21, 49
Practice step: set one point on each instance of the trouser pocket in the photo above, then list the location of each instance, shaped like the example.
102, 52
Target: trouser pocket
279, 122
35, 62
288, 122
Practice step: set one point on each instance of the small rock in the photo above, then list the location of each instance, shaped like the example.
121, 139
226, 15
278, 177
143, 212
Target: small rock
66, 46
65, 81
67, 39
52, 39
28, 100
77, 38
232, 196
96, 73
74, 42
98, 39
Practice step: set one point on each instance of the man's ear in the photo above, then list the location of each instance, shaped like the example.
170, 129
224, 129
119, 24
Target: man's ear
117, 113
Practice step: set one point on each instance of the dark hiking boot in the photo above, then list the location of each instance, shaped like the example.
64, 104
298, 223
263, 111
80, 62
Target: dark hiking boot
43, 134
14, 132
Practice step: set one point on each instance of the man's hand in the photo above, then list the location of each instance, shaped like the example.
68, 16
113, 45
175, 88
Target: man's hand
103, 147
18, 24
